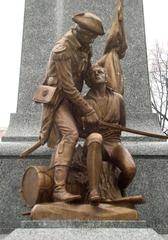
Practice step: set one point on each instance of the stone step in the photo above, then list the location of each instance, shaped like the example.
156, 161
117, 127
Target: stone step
83, 224
3, 236
165, 236
85, 234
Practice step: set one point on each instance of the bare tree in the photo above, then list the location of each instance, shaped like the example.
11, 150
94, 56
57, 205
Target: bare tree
158, 75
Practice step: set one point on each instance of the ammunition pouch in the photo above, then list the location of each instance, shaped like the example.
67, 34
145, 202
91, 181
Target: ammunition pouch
46, 94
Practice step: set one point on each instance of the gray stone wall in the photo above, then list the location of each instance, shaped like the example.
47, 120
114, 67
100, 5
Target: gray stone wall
151, 181
47, 21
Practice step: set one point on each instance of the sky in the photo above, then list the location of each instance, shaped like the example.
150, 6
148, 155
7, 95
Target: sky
156, 19
11, 27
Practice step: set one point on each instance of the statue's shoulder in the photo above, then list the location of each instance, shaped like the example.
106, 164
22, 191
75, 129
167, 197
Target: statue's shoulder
60, 51
111, 91
62, 44
118, 95
59, 48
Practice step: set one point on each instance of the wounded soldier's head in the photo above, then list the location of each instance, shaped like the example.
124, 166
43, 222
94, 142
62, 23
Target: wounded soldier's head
98, 75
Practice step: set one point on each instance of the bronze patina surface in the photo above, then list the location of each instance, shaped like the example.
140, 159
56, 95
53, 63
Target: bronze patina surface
89, 181
61, 210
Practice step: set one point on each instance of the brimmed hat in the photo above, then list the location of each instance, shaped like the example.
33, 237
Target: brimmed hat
90, 22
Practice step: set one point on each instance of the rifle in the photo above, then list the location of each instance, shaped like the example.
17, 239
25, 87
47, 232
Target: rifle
134, 131
25, 153
39, 98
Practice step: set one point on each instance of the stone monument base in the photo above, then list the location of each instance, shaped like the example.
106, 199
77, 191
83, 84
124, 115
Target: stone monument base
60, 210
150, 181
84, 234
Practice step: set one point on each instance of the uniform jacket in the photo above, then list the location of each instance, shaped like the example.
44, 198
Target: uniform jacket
69, 65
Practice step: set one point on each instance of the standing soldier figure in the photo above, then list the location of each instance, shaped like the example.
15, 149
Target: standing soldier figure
69, 65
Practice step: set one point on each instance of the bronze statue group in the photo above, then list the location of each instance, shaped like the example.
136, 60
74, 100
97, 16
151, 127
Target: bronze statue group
98, 117
72, 115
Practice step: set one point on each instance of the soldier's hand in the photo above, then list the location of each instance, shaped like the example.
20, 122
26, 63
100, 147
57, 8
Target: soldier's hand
91, 118
42, 139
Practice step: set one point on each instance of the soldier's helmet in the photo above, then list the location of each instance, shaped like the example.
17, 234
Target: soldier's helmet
90, 22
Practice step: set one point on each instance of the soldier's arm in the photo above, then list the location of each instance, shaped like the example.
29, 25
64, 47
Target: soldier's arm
122, 38
64, 76
116, 37
87, 128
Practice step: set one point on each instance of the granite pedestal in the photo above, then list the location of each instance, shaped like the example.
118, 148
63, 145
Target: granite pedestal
151, 181
84, 234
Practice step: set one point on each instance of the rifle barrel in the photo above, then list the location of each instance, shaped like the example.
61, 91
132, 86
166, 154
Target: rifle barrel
134, 131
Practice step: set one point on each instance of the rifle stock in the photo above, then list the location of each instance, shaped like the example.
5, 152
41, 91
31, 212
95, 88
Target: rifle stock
25, 153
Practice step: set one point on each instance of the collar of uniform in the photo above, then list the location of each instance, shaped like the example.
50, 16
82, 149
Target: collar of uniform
91, 94
71, 38
74, 41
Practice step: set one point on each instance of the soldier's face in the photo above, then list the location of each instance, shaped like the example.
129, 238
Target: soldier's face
99, 76
86, 37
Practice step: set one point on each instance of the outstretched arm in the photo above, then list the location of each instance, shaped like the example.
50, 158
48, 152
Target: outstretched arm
116, 37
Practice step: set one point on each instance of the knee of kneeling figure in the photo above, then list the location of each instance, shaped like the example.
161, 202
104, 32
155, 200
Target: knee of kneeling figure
131, 171
94, 138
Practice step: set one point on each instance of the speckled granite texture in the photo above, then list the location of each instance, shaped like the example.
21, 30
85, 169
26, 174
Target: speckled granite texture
84, 234
151, 181
2, 236
83, 224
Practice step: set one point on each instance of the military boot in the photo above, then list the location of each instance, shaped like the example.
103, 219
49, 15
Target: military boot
62, 161
60, 193
94, 163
